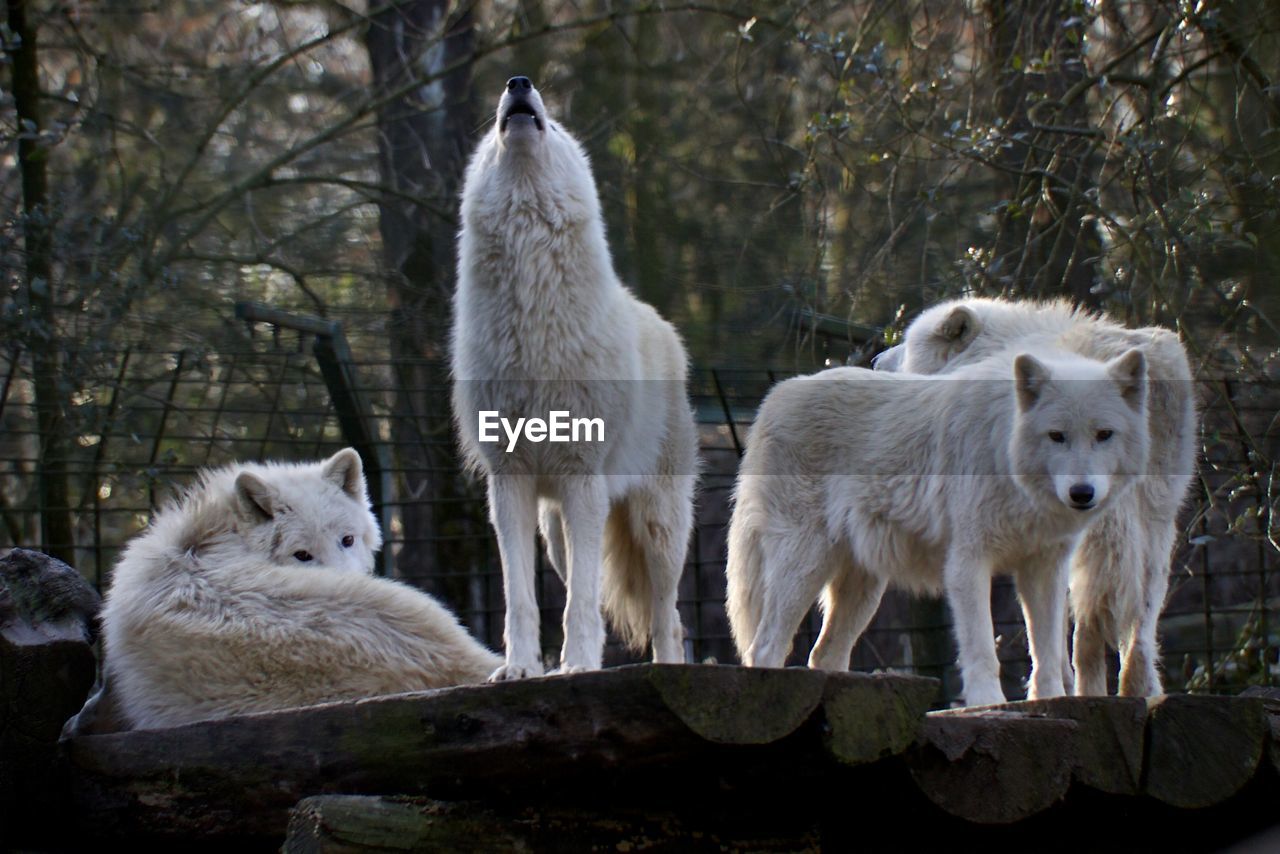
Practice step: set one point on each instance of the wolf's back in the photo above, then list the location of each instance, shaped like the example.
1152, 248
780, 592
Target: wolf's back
207, 640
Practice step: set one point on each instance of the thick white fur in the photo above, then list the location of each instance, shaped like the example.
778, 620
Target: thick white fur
542, 323
210, 613
856, 479
1120, 574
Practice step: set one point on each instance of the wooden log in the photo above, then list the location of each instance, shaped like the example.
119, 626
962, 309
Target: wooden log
871, 717
738, 705
327, 824
992, 766
1201, 750
240, 776
1109, 748
330, 824
1273, 743
1271, 704
47, 667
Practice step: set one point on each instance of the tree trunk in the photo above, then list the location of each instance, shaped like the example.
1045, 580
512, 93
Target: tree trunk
422, 146
57, 534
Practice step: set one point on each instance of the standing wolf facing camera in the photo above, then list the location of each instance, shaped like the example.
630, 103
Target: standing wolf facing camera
543, 326
1120, 574
252, 592
855, 479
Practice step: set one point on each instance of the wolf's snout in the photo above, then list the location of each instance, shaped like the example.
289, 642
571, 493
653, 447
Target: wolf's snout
1081, 495
521, 104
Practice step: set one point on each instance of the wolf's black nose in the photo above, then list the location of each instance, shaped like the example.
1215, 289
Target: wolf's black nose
519, 84
1081, 493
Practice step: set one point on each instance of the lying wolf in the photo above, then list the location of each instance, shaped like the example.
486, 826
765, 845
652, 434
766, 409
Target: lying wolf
542, 325
253, 592
1120, 574
856, 479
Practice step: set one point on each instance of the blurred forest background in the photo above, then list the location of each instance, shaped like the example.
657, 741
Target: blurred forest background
788, 182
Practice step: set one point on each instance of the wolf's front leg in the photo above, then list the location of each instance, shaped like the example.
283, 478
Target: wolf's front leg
967, 578
585, 504
513, 507
1042, 590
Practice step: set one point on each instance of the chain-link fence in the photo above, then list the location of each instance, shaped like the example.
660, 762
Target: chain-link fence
143, 421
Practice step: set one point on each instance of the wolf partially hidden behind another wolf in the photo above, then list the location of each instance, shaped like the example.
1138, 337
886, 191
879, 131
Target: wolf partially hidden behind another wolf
1120, 573
253, 592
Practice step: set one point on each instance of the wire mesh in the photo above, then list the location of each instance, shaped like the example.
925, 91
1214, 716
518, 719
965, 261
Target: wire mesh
144, 421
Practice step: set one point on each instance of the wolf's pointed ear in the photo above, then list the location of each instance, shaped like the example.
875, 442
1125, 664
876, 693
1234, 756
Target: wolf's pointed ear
344, 471
1130, 374
958, 328
255, 500
1029, 377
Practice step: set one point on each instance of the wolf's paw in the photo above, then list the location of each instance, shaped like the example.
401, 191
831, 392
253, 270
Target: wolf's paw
1142, 684
1044, 685
510, 672
1044, 692
566, 669
990, 697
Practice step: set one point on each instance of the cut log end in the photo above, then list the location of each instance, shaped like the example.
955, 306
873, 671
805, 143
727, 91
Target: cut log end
1202, 750
868, 718
992, 766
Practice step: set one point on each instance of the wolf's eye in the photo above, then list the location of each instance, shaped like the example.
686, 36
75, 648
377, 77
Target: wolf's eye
1057, 436
1104, 435
302, 555
348, 541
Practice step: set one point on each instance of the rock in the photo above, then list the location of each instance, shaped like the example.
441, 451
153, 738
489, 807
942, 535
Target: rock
47, 667
43, 599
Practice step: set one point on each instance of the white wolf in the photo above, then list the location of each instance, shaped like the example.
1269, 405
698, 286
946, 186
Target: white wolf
252, 592
542, 324
1120, 574
855, 479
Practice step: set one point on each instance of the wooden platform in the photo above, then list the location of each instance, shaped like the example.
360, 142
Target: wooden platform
691, 758
675, 758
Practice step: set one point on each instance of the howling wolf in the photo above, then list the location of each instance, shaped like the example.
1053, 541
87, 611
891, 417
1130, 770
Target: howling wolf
1120, 574
253, 592
855, 479
543, 325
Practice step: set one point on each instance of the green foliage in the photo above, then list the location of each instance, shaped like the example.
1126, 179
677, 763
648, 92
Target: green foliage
850, 158
1247, 659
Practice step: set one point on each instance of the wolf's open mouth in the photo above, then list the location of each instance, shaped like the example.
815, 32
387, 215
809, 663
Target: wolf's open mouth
521, 108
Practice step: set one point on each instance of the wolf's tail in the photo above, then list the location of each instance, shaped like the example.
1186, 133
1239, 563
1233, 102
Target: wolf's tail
744, 571
627, 591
